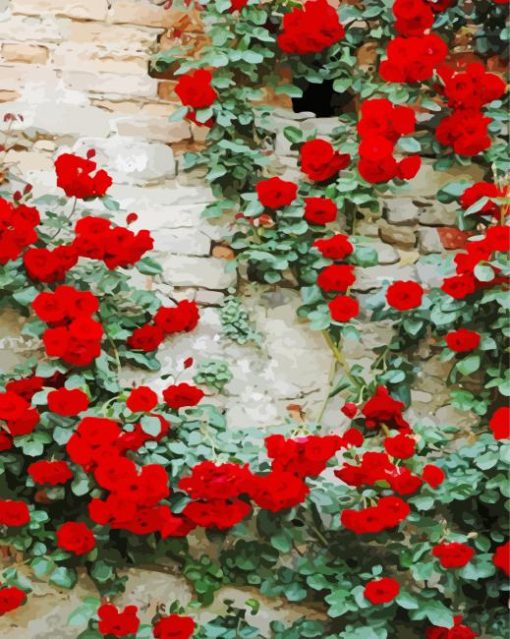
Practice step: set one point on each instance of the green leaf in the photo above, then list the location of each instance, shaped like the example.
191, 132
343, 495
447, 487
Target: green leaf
469, 364
437, 613
150, 425
64, 577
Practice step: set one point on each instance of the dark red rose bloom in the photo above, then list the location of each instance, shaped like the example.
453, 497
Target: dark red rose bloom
401, 446
26, 387
466, 131
320, 210
181, 395
349, 409
13, 513
472, 87
453, 555
302, 456
52, 473
93, 440
135, 439
117, 623
17, 229
462, 340
237, 5
67, 402
11, 597
6, 442
414, 17
403, 482
278, 491
440, 5
337, 277
64, 304
381, 591
74, 176
459, 286
48, 266
459, 631
181, 318
498, 238
216, 481
413, 59
24, 424
501, 558
174, 626
141, 399
343, 308
404, 295
336, 247
75, 537
310, 29
194, 89
217, 513
500, 423
433, 475
352, 437
388, 513
481, 190
275, 193
383, 409
380, 118
320, 161
12, 406
146, 338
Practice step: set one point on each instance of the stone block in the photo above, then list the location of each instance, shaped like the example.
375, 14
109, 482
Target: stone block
202, 272
436, 214
401, 211
43, 28
27, 79
146, 13
182, 241
373, 277
131, 160
429, 241
153, 128
399, 235
27, 53
85, 58
110, 37
81, 9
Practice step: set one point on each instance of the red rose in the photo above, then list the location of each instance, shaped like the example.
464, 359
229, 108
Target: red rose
217, 513
472, 87
453, 555
194, 89
403, 482
310, 29
237, 5
141, 399
11, 597
75, 537
117, 623
459, 631
146, 338
26, 387
343, 308
67, 402
337, 277
459, 286
404, 295
381, 591
24, 424
414, 17
382, 118
13, 513
180, 395
336, 247
501, 558
320, 210
173, 627
401, 446
349, 409
276, 193
12, 406
320, 161
433, 475
500, 423
383, 409
6, 442
278, 491
462, 340
74, 176
352, 436
181, 318
52, 473
302, 456
481, 190
413, 59
466, 131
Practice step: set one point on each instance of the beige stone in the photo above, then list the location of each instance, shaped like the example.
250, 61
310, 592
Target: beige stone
85, 59
108, 36
27, 78
143, 12
9, 96
110, 83
19, 28
29, 53
153, 129
81, 9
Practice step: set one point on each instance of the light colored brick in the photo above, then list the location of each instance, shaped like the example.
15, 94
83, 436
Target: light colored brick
9, 96
23, 78
86, 59
203, 272
144, 12
82, 9
153, 129
30, 29
29, 53
111, 37
110, 83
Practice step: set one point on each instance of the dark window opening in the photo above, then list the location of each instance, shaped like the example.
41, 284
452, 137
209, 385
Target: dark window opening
320, 99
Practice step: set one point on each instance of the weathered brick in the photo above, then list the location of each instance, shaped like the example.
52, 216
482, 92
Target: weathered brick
84, 58
23, 78
110, 83
29, 53
153, 129
112, 37
82, 9
9, 96
204, 272
30, 29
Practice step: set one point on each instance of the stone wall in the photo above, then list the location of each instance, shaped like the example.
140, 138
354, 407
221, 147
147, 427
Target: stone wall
78, 73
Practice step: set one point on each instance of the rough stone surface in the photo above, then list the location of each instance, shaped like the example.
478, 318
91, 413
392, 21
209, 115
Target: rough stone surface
401, 211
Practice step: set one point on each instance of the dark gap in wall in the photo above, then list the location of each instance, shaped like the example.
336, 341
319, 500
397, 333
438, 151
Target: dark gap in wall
320, 99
